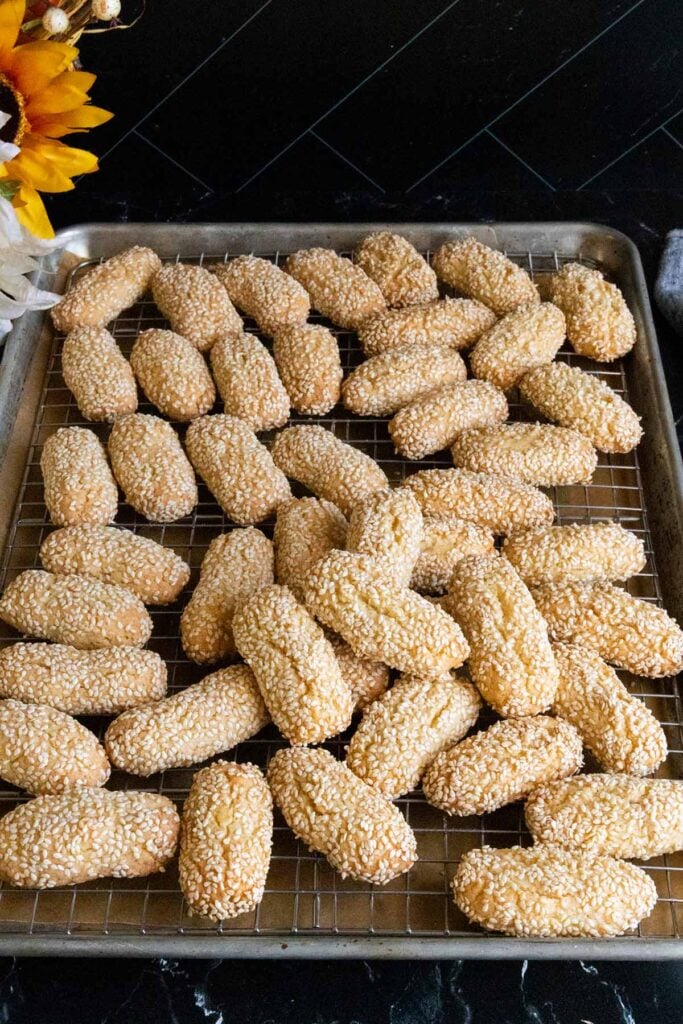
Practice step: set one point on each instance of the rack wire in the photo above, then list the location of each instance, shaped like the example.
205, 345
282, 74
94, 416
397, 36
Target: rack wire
304, 896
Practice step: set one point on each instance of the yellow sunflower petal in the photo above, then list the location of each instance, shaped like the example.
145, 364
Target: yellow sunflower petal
64, 92
55, 126
11, 16
48, 165
34, 65
31, 212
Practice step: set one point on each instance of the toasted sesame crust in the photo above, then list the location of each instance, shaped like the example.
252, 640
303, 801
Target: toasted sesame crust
261, 290
445, 540
330, 468
388, 526
402, 732
593, 551
502, 764
383, 384
382, 620
611, 815
152, 572
530, 336
306, 529
236, 467
173, 375
226, 835
295, 667
235, 566
99, 375
367, 679
152, 468
484, 274
106, 290
337, 288
547, 892
74, 610
617, 727
195, 303
46, 751
404, 277
577, 399
101, 682
510, 660
78, 483
536, 453
86, 834
208, 718
248, 382
494, 502
433, 422
307, 358
599, 323
630, 633
362, 835
455, 323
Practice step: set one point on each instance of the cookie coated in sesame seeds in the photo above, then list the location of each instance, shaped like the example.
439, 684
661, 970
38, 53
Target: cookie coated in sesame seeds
77, 481
367, 679
382, 620
403, 275
574, 398
579, 551
547, 892
388, 526
87, 834
494, 502
529, 336
238, 470
264, 292
46, 751
248, 381
151, 468
207, 718
455, 323
432, 422
195, 304
329, 467
383, 384
330, 809
151, 571
484, 274
100, 682
173, 375
445, 540
306, 529
628, 632
617, 727
510, 660
295, 667
402, 732
98, 374
337, 288
75, 610
226, 835
103, 292
536, 453
599, 323
613, 815
502, 764
308, 361
235, 566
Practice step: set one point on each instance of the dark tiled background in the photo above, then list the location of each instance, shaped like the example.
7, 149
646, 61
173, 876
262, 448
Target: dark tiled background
381, 110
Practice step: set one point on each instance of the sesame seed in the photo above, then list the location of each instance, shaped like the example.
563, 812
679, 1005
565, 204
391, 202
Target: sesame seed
98, 374
536, 453
306, 529
388, 526
337, 288
78, 483
484, 274
529, 336
248, 382
403, 275
195, 304
599, 323
173, 375
383, 384
592, 551
263, 291
106, 290
307, 358
445, 540
455, 323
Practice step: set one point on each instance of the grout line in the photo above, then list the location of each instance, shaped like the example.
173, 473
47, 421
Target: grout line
673, 137
521, 161
171, 160
187, 77
346, 160
525, 95
660, 127
350, 93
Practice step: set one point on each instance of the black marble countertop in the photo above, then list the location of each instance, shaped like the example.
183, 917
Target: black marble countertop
292, 110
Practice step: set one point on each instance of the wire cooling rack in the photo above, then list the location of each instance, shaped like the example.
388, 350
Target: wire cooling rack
304, 896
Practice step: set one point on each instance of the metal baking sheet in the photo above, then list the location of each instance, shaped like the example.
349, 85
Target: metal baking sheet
308, 910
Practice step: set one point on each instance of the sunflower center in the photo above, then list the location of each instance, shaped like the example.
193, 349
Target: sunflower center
12, 103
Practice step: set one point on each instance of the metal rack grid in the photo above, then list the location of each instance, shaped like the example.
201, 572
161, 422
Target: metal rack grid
304, 896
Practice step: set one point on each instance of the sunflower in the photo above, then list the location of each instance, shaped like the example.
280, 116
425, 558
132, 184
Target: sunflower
45, 101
